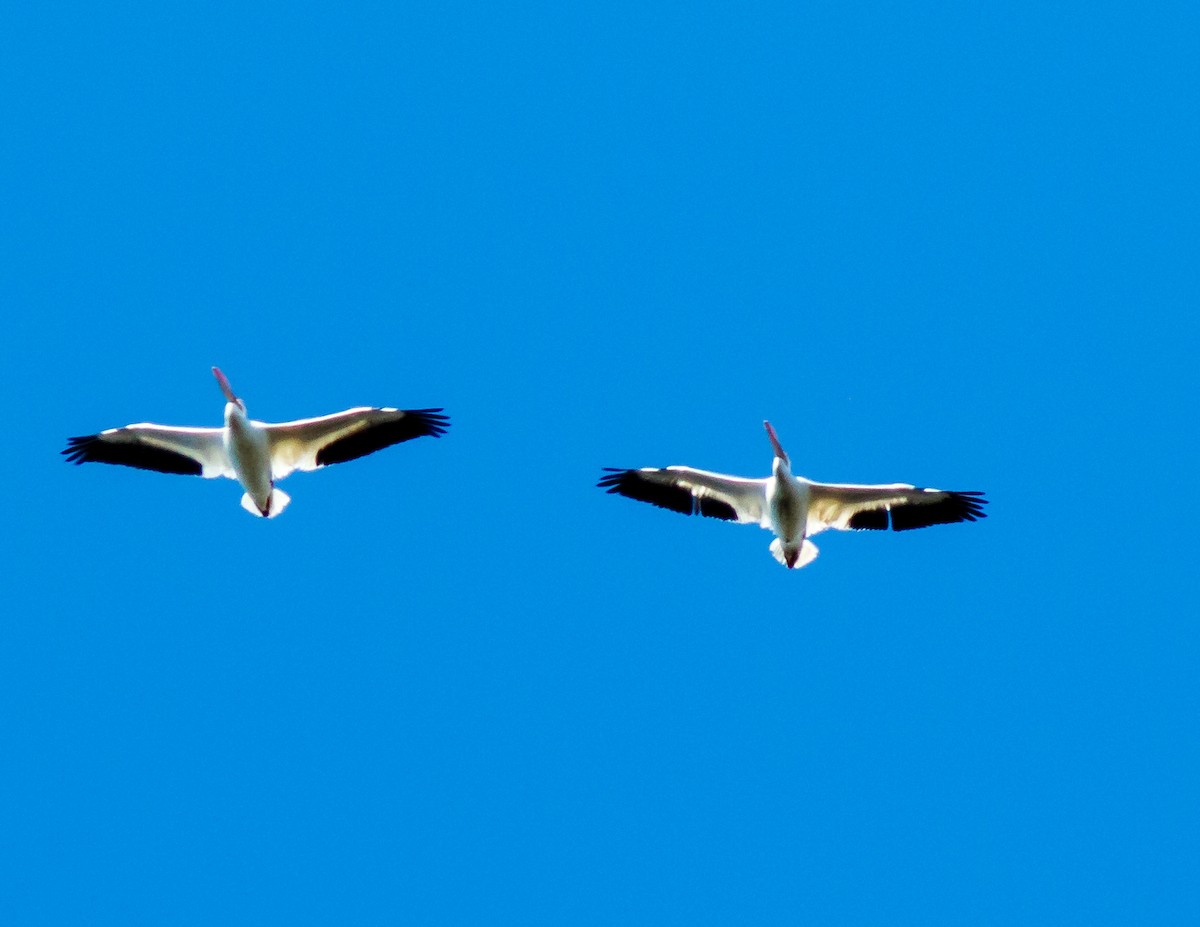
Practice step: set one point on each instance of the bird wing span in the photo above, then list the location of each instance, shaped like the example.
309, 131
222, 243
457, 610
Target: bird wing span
165, 448
692, 492
897, 505
311, 443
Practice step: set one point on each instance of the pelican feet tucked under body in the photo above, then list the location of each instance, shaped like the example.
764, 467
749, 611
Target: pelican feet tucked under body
791, 507
256, 454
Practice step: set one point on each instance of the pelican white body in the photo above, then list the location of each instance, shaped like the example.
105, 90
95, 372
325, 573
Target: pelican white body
791, 507
256, 454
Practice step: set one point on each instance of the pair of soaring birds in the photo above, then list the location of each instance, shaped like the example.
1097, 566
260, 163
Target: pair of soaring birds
258, 454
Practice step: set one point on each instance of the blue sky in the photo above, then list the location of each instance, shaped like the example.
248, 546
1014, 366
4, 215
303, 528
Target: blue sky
456, 684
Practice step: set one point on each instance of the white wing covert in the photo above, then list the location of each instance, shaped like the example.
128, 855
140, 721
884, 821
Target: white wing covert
692, 492
164, 448
312, 443
899, 506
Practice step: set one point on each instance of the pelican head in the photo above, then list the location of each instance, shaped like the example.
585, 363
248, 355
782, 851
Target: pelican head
780, 454
223, 382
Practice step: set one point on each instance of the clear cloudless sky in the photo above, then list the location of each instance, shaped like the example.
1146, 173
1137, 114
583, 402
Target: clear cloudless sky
942, 243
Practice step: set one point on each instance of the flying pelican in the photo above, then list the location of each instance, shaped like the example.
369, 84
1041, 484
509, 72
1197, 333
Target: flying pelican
256, 454
791, 507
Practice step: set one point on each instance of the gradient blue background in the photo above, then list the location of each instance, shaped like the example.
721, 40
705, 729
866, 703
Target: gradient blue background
953, 244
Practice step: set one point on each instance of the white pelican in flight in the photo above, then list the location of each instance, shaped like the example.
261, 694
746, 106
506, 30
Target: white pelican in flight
791, 507
256, 454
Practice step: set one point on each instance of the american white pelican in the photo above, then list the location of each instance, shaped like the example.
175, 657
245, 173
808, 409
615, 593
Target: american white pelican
791, 507
256, 454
